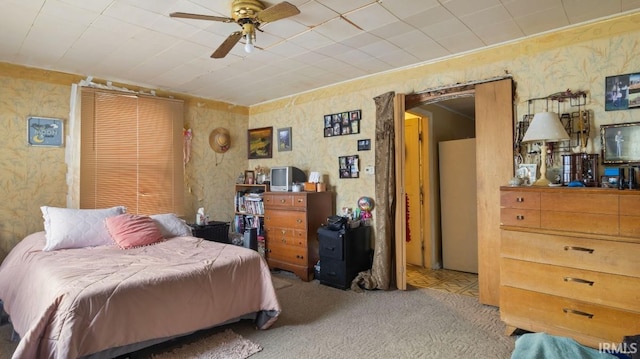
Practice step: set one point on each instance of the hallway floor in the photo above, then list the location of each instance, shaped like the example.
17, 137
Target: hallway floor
443, 279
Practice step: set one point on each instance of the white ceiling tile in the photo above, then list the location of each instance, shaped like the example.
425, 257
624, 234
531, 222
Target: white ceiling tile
287, 48
542, 21
486, 17
398, 58
334, 49
94, 5
284, 28
337, 29
371, 17
131, 14
464, 7
431, 16
518, 8
310, 40
393, 29
628, 5
582, 10
313, 14
379, 47
361, 39
444, 29
498, 32
460, 42
342, 7
406, 8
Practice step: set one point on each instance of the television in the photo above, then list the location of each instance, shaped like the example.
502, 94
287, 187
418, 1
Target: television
283, 177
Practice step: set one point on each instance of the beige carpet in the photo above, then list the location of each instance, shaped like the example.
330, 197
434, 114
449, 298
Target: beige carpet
224, 345
318, 321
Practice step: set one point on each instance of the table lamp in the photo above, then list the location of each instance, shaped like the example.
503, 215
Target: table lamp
545, 127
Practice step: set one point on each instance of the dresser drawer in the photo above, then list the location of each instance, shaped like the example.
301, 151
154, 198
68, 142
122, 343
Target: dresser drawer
580, 222
583, 253
519, 217
629, 205
563, 316
515, 199
285, 219
286, 253
287, 200
287, 236
630, 227
589, 286
579, 202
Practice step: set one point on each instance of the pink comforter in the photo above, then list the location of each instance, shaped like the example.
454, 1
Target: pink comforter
75, 302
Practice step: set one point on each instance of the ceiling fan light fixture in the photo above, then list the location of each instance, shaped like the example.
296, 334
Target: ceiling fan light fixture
248, 46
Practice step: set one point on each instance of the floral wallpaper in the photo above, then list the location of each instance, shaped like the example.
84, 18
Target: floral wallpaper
577, 58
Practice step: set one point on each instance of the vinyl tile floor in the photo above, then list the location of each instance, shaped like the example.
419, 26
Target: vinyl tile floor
443, 279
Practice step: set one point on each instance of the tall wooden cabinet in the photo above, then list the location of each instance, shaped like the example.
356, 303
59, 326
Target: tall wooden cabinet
291, 222
569, 262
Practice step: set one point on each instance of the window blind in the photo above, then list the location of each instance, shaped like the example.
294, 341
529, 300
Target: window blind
131, 152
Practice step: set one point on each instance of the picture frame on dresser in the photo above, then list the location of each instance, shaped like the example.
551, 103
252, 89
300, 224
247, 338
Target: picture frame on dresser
620, 143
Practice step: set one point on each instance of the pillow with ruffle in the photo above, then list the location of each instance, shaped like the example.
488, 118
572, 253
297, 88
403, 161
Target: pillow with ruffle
131, 231
76, 228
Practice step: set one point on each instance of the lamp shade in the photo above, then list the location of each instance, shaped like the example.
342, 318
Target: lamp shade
545, 126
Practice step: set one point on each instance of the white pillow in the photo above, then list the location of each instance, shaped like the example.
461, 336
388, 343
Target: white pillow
171, 225
77, 228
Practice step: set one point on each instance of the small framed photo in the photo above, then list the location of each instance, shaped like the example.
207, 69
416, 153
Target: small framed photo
364, 145
249, 177
284, 139
45, 131
609, 181
349, 166
622, 92
260, 142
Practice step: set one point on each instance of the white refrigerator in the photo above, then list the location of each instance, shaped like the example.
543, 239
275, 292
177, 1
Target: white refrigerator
458, 210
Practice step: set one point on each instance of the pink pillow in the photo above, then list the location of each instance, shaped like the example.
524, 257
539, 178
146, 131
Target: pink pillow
130, 231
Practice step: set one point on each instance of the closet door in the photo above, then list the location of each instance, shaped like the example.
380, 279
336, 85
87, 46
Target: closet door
494, 164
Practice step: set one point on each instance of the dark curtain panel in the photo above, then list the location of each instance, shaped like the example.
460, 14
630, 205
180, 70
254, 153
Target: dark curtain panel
382, 271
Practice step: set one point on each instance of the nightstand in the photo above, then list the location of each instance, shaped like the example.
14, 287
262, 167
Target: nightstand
343, 254
212, 231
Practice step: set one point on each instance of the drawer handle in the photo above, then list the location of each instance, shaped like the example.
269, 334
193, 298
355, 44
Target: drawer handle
282, 201
519, 199
283, 231
577, 312
520, 217
299, 220
580, 249
578, 280
299, 256
299, 200
284, 240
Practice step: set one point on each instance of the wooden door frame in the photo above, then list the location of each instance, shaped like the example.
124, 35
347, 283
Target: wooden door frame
401, 101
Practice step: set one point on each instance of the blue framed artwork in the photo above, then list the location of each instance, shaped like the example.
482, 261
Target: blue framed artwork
45, 131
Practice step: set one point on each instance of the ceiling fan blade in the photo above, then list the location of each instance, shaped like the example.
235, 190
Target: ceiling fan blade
185, 15
227, 45
277, 12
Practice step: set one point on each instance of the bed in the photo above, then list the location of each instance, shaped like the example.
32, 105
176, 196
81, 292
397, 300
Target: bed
102, 301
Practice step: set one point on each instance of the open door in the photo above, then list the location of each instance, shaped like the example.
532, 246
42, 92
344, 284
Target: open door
494, 160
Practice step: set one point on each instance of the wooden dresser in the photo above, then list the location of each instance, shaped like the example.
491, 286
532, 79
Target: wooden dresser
291, 222
570, 262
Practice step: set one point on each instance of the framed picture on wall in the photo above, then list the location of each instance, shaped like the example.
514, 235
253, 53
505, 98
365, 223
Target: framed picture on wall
284, 139
343, 123
349, 166
620, 143
622, 92
259, 142
45, 131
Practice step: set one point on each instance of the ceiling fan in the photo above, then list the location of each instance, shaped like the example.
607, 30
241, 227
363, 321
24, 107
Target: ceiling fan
249, 14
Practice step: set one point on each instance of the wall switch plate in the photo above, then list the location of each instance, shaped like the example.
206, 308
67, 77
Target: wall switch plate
369, 170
